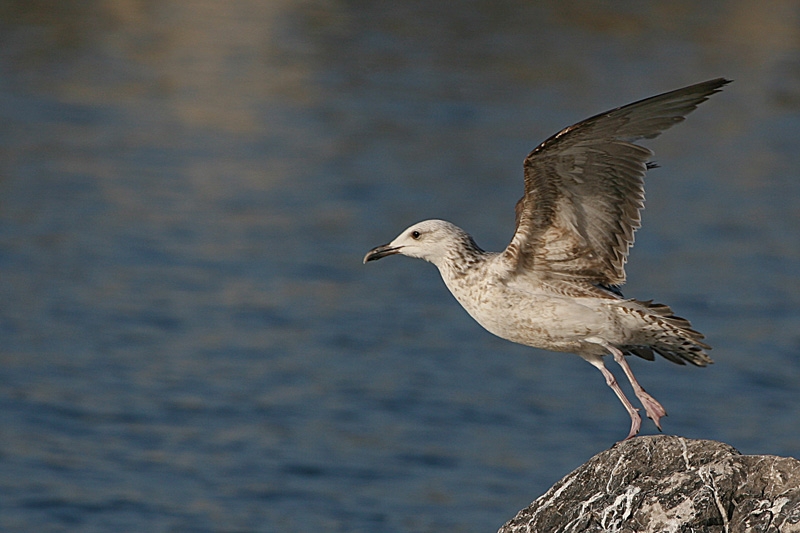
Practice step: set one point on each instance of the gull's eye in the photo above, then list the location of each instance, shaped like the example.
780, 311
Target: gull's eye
415, 235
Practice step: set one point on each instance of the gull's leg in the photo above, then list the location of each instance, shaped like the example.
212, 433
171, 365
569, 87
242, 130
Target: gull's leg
654, 409
636, 420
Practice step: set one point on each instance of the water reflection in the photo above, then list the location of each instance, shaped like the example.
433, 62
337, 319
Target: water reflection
189, 339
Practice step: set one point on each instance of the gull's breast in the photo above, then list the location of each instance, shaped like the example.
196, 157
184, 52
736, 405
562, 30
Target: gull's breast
531, 317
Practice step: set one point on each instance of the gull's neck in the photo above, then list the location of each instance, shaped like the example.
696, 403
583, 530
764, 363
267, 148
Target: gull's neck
462, 255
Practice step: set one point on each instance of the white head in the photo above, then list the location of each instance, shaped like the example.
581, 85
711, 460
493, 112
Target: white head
431, 240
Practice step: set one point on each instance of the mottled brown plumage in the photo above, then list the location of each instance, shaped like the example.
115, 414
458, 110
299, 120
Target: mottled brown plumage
556, 285
584, 189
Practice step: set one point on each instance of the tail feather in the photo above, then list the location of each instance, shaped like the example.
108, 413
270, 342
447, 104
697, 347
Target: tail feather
670, 336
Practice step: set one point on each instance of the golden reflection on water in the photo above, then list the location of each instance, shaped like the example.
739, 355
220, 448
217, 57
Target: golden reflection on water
188, 189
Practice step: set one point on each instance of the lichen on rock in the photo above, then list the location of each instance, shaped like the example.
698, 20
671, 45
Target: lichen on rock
670, 484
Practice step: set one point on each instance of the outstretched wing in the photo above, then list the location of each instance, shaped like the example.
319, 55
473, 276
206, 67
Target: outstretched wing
584, 189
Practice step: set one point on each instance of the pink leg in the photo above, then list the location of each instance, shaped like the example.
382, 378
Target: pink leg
636, 420
654, 409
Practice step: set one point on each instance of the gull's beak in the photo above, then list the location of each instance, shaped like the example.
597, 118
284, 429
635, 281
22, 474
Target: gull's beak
381, 251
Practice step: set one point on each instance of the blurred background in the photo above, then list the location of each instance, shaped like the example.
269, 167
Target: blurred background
189, 341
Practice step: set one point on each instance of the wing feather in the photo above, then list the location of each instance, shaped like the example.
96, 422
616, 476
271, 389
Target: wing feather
584, 190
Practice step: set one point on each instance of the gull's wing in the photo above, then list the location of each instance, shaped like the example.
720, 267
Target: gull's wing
584, 188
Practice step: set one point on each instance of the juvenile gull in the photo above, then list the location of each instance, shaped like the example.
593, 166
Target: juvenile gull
556, 286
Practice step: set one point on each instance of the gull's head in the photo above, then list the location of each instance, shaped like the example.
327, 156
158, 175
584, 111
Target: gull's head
431, 240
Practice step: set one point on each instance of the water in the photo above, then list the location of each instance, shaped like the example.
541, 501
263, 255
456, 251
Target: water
189, 339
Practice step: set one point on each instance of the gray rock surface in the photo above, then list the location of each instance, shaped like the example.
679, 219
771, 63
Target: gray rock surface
666, 483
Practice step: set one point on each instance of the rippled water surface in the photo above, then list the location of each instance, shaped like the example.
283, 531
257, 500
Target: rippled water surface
189, 339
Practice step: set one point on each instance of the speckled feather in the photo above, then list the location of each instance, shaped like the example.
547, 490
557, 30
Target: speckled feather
556, 285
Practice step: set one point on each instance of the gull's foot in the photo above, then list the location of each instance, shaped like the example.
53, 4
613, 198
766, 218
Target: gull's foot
636, 424
654, 409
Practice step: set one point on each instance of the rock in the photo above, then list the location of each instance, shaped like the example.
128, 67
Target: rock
670, 484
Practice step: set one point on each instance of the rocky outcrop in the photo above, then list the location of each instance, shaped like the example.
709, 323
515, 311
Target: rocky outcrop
670, 484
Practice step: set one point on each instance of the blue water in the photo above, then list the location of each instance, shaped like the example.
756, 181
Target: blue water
189, 339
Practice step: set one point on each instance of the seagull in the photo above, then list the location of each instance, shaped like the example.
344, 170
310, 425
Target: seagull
557, 284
